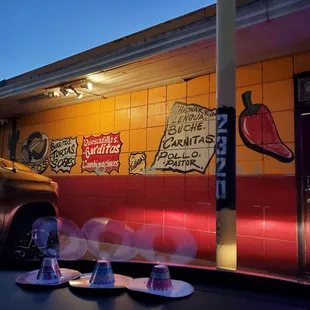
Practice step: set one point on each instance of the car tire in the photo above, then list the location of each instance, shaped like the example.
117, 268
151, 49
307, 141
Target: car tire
20, 244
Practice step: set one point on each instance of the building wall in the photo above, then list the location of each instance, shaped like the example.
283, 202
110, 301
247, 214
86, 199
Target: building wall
177, 205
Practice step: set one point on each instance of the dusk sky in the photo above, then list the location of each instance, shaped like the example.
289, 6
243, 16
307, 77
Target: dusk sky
35, 33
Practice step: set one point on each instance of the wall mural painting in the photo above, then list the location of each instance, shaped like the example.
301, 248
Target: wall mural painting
34, 152
63, 154
188, 142
258, 131
137, 163
101, 153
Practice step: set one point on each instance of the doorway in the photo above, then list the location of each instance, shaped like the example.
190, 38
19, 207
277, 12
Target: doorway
302, 151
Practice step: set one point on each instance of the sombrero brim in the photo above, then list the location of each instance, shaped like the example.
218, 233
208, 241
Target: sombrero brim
83, 282
30, 278
179, 288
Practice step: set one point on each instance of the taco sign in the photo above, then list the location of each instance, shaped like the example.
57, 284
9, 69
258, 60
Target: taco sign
34, 152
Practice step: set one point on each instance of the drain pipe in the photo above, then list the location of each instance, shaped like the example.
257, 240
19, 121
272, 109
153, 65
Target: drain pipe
226, 249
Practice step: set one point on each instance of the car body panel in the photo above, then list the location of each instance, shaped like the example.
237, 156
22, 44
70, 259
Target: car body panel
20, 186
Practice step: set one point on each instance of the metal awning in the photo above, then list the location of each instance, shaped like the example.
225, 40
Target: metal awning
266, 30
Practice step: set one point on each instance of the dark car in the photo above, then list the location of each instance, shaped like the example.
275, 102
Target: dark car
25, 196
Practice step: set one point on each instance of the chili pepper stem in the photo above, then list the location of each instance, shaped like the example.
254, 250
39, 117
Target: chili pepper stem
246, 98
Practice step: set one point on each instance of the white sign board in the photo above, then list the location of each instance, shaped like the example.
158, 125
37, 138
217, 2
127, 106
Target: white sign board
189, 139
63, 154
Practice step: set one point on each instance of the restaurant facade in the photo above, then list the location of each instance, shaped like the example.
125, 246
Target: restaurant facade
143, 153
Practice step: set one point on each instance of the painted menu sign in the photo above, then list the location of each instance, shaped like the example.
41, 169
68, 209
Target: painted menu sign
63, 154
189, 139
101, 151
137, 163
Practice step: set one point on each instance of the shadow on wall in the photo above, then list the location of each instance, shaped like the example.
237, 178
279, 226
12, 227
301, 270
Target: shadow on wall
266, 217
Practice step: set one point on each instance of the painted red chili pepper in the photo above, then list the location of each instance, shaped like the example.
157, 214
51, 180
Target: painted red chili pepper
258, 131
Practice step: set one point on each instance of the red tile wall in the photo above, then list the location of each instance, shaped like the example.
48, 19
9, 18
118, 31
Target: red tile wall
266, 212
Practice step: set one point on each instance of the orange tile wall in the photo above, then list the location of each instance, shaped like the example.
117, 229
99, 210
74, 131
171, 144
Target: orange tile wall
140, 116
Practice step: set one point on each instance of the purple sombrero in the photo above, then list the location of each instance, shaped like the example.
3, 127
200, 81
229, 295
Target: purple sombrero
48, 274
160, 283
102, 277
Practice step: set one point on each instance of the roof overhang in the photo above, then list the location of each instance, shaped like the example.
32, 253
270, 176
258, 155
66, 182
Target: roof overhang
265, 30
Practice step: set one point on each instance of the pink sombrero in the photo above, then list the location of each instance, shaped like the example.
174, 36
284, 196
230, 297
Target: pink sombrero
49, 274
160, 283
102, 277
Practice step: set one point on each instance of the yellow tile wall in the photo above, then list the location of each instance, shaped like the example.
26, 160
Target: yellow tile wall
140, 117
